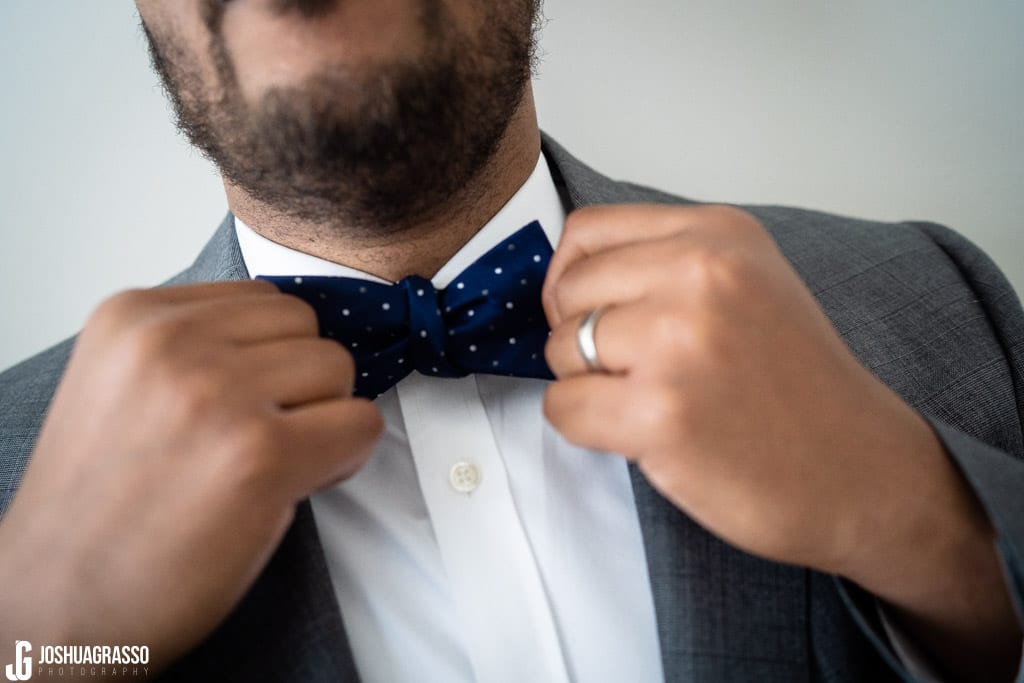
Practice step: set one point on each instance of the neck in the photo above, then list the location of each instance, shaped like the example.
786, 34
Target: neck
424, 248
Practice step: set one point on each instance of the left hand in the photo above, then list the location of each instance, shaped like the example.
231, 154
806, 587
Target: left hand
731, 390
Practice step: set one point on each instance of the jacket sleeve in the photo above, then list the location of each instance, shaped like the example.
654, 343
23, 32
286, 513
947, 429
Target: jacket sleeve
987, 449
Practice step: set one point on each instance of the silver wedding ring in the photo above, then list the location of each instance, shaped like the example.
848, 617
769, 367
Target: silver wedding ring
585, 340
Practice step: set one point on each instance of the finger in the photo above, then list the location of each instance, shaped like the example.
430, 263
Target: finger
328, 441
595, 229
622, 275
302, 370
619, 337
249, 319
594, 411
207, 290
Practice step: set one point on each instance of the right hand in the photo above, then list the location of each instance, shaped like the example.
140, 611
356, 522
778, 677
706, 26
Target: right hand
189, 423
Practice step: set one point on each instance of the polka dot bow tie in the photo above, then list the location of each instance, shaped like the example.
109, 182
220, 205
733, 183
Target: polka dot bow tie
489, 320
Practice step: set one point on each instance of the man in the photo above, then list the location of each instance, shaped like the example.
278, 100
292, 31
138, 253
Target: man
779, 445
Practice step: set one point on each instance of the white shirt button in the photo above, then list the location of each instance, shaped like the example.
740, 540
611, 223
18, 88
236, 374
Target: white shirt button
464, 477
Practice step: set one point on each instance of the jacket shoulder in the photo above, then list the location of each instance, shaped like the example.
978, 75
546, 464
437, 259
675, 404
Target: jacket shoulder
923, 309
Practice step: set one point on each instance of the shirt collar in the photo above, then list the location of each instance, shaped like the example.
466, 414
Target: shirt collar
537, 199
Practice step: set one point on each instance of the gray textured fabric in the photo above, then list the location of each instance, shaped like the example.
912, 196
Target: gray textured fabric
920, 306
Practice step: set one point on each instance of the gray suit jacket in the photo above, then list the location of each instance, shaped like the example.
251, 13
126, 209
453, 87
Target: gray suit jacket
920, 306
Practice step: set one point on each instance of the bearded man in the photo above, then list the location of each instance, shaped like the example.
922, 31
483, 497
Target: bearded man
439, 402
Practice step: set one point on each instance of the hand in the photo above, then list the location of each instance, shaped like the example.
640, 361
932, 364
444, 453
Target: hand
739, 402
727, 384
189, 423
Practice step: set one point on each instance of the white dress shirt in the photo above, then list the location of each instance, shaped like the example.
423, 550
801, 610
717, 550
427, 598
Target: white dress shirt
477, 544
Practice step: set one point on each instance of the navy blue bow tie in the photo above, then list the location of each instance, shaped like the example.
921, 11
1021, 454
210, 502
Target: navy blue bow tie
489, 320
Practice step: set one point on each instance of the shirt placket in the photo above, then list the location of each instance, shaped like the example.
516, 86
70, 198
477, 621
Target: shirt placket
509, 626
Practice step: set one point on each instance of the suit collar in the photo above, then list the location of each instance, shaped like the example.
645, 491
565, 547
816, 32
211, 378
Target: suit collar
220, 259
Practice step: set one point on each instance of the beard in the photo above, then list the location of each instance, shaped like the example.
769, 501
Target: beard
376, 148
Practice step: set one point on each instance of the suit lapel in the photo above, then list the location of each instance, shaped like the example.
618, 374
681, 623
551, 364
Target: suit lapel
288, 627
723, 615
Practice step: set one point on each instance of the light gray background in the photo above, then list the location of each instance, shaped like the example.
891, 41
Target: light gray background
889, 109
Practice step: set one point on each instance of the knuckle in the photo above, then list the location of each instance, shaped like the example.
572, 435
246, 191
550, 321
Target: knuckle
717, 270
337, 359
704, 338
128, 298
197, 391
549, 351
146, 353
737, 221
556, 350
301, 312
666, 411
155, 342
367, 416
721, 210
586, 218
550, 357
564, 408
251, 450
252, 471
571, 287
726, 213
696, 336
345, 361
116, 309
372, 419
547, 294
354, 452
192, 375
578, 220
670, 330
262, 286
561, 295
551, 403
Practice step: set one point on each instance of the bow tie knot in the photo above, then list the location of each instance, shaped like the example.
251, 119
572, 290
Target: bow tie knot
427, 333
489, 320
